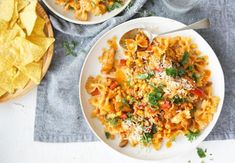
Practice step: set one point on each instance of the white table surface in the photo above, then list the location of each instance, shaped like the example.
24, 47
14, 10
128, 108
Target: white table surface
17, 145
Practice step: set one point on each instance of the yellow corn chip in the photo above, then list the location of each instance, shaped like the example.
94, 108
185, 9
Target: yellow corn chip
43, 42
20, 80
33, 71
28, 16
38, 29
3, 25
15, 15
22, 4
6, 79
28, 51
6, 9
2, 92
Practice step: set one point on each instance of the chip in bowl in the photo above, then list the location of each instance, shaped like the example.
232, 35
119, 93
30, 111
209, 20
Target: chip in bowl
23, 44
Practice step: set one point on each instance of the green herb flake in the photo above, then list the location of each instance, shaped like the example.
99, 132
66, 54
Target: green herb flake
107, 135
154, 129
115, 5
190, 67
171, 72
177, 100
145, 75
201, 153
195, 77
146, 138
192, 135
181, 72
155, 96
113, 121
125, 102
185, 58
70, 47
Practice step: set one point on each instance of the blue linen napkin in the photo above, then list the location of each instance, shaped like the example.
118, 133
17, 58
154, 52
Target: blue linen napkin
58, 113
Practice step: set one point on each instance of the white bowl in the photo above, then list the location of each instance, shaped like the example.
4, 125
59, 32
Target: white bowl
92, 67
69, 15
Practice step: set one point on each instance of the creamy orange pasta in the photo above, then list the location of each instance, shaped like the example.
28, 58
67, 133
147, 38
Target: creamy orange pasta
157, 91
84, 8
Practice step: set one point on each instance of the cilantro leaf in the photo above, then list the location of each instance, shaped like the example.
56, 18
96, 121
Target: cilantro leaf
107, 135
201, 153
113, 121
155, 96
185, 58
145, 75
115, 5
192, 135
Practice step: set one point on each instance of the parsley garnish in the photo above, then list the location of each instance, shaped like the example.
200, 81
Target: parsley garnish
146, 138
185, 58
155, 96
173, 72
201, 153
195, 77
113, 121
192, 135
107, 135
125, 102
145, 75
70, 47
177, 100
115, 5
190, 67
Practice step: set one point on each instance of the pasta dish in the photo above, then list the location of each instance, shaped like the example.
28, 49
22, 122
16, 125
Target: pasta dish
152, 91
84, 8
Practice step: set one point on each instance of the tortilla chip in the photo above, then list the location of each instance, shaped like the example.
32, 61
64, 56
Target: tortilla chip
7, 9
20, 80
4, 64
3, 25
43, 42
15, 15
6, 79
7, 36
2, 92
38, 29
22, 4
28, 51
33, 71
28, 16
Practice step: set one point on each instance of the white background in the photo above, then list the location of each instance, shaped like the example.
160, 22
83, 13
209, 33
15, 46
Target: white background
17, 145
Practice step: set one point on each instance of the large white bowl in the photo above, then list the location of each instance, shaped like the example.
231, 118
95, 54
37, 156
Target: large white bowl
92, 67
69, 15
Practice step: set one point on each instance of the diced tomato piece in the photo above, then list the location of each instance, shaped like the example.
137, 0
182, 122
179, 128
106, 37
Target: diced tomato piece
95, 92
123, 62
149, 48
113, 85
197, 91
158, 69
166, 105
123, 116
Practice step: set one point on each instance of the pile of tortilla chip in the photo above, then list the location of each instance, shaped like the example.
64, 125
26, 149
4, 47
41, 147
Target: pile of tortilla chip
23, 44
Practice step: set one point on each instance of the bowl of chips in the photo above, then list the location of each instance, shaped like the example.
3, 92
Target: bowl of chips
26, 47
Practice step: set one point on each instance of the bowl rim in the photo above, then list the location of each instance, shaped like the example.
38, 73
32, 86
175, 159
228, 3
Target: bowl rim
196, 142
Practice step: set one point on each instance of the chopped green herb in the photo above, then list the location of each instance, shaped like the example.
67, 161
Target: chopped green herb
125, 102
201, 153
146, 138
171, 72
190, 67
154, 129
192, 135
185, 58
181, 72
177, 100
70, 47
113, 121
195, 77
155, 96
115, 5
107, 135
145, 75
121, 107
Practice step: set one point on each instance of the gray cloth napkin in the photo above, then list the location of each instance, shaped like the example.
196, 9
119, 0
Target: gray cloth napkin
58, 113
